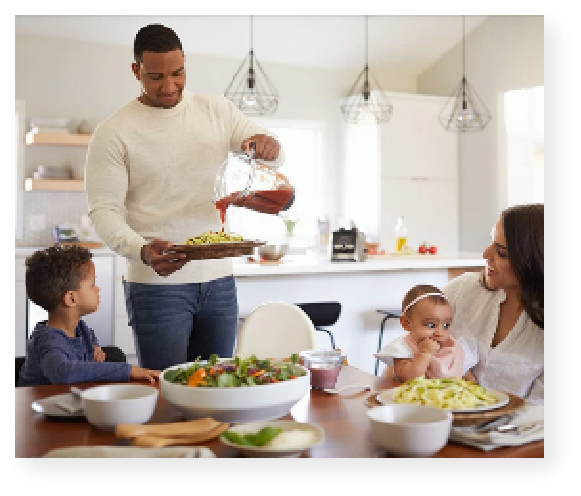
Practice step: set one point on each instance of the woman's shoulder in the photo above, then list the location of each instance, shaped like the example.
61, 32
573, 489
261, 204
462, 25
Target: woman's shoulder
467, 283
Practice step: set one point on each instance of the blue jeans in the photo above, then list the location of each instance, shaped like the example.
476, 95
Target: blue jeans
176, 323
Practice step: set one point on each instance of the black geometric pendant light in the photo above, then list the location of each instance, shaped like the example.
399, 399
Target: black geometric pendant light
364, 102
250, 89
464, 111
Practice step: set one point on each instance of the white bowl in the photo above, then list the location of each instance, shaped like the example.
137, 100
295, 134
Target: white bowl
109, 405
410, 430
318, 436
235, 404
273, 252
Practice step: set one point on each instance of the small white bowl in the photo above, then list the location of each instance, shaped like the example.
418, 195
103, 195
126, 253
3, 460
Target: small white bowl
271, 452
109, 405
410, 430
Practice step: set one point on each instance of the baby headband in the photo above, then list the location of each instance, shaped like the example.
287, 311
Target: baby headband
422, 296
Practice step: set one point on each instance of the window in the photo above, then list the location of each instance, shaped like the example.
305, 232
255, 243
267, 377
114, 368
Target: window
19, 166
302, 142
362, 174
524, 156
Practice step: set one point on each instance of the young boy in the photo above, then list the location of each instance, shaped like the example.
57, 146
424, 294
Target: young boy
63, 349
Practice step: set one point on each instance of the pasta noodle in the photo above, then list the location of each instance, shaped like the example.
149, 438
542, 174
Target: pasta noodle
213, 237
448, 393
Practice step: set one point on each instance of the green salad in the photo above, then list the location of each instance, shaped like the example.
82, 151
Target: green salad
236, 372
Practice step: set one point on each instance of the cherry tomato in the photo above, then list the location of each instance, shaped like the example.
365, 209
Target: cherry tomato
432, 250
423, 248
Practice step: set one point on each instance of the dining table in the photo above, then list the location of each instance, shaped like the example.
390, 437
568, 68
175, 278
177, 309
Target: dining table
343, 418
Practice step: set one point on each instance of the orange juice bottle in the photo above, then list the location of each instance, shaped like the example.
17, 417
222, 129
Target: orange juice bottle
400, 234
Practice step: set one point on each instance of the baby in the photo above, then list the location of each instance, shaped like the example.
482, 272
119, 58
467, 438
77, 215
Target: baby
428, 349
64, 349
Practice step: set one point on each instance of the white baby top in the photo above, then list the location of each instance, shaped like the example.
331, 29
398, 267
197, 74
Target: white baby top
516, 364
150, 174
400, 348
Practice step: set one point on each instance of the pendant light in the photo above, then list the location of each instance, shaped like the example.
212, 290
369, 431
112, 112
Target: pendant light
464, 111
250, 89
364, 102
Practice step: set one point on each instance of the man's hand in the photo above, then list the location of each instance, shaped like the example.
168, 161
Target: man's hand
154, 254
267, 147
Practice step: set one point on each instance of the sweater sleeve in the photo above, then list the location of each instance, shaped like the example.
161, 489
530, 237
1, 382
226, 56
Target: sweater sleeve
243, 127
59, 369
106, 182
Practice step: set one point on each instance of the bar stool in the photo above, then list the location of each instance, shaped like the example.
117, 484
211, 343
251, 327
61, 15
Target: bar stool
389, 314
323, 314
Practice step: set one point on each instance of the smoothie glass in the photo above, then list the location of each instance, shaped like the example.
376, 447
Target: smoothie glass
324, 367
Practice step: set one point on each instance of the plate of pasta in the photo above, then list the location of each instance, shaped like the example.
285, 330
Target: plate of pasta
216, 244
453, 394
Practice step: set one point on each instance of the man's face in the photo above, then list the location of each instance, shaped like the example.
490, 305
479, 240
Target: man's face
162, 77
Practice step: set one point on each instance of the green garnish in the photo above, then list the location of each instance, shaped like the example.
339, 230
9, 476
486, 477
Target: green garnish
261, 438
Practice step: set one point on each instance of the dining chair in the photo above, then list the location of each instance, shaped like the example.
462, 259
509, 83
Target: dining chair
388, 314
19, 364
275, 330
323, 314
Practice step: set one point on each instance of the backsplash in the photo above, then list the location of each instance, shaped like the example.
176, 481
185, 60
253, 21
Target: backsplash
57, 207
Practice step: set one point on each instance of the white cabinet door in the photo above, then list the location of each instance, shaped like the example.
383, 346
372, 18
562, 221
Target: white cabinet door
430, 210
413, 143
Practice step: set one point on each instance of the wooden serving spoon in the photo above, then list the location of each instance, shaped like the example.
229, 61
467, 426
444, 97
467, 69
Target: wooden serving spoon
151, 441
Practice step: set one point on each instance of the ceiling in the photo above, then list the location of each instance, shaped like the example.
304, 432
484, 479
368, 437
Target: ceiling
404, 43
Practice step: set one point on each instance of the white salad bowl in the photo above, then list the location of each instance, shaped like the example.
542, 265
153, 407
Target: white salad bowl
410, 430
235, 404
109, 405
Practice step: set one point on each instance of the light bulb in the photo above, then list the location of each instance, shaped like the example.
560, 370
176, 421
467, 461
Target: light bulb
249, 99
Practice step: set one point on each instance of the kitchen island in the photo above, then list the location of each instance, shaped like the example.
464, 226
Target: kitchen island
362, 288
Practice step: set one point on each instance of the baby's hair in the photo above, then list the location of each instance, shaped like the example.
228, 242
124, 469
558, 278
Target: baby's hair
419, 290
50, 273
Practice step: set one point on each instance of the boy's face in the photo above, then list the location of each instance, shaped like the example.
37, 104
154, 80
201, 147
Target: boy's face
88, 292
427, 319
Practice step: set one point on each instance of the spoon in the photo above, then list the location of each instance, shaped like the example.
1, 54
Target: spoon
338, 390
75, 406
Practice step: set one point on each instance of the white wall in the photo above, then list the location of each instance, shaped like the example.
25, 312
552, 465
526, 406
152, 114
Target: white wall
503, 53
84, 80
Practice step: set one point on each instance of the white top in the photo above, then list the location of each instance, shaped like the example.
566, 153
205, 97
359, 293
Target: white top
516, 364
150, 174
398, 348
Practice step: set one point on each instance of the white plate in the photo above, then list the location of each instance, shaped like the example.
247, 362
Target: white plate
265, 451
386, 397
48, 406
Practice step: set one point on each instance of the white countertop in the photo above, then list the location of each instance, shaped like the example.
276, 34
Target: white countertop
312, 265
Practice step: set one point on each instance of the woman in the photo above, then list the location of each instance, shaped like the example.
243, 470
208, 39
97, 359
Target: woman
502, 308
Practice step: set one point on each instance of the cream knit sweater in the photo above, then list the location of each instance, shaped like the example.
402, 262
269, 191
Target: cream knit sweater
150, 174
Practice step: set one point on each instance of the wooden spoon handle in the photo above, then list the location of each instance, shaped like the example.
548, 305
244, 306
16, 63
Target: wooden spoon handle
159, 441
186, 428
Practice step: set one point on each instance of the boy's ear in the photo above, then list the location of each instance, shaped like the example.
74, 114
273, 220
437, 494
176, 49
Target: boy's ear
70, 299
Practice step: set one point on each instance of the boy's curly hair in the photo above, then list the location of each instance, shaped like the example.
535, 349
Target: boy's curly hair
50, 273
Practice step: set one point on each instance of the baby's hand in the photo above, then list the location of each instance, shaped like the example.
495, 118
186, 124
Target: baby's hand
98, 354
428, 345
447, 343
139, 373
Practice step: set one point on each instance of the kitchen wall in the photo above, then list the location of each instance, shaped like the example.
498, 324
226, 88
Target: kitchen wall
83, 80
502, 54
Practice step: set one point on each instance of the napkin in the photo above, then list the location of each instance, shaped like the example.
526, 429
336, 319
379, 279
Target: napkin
487, 441
71, 404
130, 452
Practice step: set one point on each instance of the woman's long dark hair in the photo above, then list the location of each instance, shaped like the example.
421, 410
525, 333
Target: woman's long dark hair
524, 231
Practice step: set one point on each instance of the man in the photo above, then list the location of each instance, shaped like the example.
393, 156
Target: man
150, 174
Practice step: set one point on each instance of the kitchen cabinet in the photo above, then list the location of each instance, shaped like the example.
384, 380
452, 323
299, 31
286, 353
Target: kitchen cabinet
413, 143
419, 174
54, 184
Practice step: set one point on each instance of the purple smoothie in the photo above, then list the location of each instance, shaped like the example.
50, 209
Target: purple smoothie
324, 376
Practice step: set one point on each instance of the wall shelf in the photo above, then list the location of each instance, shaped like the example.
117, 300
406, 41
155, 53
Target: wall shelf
54, 184
57, 139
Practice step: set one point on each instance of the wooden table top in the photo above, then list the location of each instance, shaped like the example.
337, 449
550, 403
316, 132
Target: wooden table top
342, 417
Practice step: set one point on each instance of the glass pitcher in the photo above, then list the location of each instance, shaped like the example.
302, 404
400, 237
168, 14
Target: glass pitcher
245, 182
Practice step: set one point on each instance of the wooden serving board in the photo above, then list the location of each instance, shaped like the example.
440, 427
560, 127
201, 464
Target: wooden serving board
217, 250
469, 418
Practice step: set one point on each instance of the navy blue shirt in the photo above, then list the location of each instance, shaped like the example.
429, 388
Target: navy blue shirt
54, 358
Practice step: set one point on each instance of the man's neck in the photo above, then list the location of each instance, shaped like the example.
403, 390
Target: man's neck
65, 320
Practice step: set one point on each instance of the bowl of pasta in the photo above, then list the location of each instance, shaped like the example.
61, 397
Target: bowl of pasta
410, 430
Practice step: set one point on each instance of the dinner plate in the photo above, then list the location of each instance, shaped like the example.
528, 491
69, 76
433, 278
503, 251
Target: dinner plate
48, 406
386, 397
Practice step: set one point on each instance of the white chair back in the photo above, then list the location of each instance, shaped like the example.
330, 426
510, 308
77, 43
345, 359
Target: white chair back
275, 330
